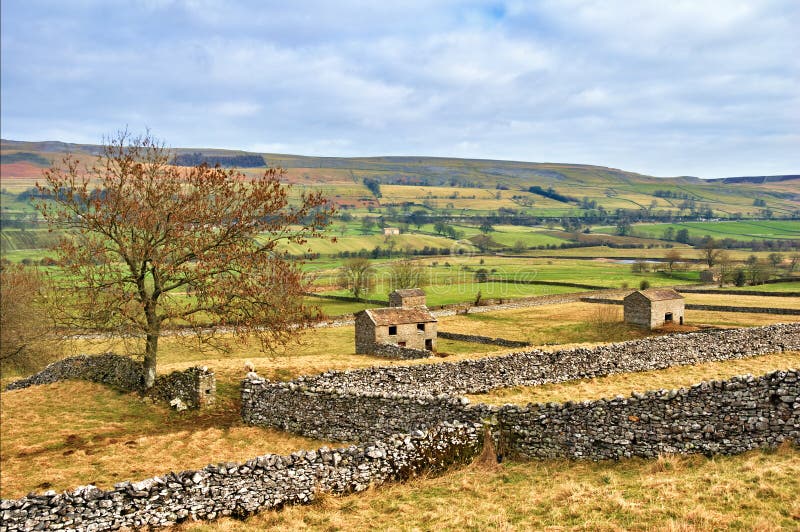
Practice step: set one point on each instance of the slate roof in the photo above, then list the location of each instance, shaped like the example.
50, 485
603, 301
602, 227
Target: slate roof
399, 315
409, 292
658, 294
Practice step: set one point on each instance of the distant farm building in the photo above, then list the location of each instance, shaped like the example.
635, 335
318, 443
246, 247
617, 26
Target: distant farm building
407, 297
709, 276
654, 308
391, 230
407, 322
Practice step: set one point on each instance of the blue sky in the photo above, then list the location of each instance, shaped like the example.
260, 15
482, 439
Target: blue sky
708, 88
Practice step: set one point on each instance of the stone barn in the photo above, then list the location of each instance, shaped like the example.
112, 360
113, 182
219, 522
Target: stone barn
709, 276
406, 327
653, 308
391, 230
407, 297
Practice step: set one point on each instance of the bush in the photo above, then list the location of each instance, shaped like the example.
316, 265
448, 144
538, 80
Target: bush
644, 285
27, 339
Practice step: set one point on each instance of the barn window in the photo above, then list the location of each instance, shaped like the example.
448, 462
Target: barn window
668, 316
420, 326
392, 329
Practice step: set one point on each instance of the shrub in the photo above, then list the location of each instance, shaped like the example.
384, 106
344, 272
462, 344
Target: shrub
644, 285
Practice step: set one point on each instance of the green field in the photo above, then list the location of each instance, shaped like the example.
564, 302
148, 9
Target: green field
740, 230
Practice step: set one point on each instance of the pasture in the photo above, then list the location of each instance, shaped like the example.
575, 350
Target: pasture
739, 230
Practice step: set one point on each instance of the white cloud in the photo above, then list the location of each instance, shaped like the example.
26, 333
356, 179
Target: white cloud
703, 88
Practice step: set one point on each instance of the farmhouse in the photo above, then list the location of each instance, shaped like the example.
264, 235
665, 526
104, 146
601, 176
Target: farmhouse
407, 322
653, 308
391, 230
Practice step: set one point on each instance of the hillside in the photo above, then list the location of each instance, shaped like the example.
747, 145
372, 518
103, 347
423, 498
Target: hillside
470, 186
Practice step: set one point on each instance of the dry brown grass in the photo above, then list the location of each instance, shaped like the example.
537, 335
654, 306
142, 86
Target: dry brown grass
753, 491
62, 435
744, 301
625, 383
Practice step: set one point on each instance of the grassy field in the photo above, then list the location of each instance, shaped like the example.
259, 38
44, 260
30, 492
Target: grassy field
626, 383
743, 301
771, 287
740, 230
751, 491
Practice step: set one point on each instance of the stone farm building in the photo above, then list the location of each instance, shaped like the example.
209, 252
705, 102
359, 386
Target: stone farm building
653, 308
407, 322
709, 276
407, 297
391, 230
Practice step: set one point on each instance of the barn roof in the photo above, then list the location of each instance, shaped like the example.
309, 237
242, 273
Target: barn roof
658, 294
399, 315
409, 292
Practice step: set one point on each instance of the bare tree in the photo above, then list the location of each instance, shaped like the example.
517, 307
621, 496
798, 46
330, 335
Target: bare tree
672, 257
407, 274
794, 260
711, 251
775, 259
147, 245
357, 276
27, 333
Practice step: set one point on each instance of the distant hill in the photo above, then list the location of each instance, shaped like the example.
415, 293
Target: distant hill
758, 179
527, 188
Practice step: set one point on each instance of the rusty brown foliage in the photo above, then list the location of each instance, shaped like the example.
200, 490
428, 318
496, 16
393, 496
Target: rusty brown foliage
150, 245
28, 337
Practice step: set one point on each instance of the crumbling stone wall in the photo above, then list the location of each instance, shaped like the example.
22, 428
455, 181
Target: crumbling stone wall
234, 489
194, 387
122, 373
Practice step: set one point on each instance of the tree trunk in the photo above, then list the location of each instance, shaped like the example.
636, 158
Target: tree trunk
151, 349
150, 361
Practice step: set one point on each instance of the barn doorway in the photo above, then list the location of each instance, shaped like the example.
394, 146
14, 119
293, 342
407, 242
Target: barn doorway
429, 344
668, 317
681, 320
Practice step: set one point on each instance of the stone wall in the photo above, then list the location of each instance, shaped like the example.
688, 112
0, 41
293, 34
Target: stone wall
399, 352
726, 417
234, 489
356, 405
737, 292
717, 308
474, 338
194, 387
339, 415
534, 367
120, 372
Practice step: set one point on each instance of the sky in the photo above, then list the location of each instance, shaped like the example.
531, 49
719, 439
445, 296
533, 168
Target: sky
709, 88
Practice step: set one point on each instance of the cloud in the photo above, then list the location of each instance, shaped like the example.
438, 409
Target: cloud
702, 88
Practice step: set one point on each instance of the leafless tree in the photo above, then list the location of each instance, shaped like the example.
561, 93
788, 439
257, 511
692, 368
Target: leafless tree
358, 276
407, 274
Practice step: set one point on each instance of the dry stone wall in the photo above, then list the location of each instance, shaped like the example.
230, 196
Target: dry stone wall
726, 417
534, 367
362, 404
399, 352
240, 489
477, 339
194, 387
